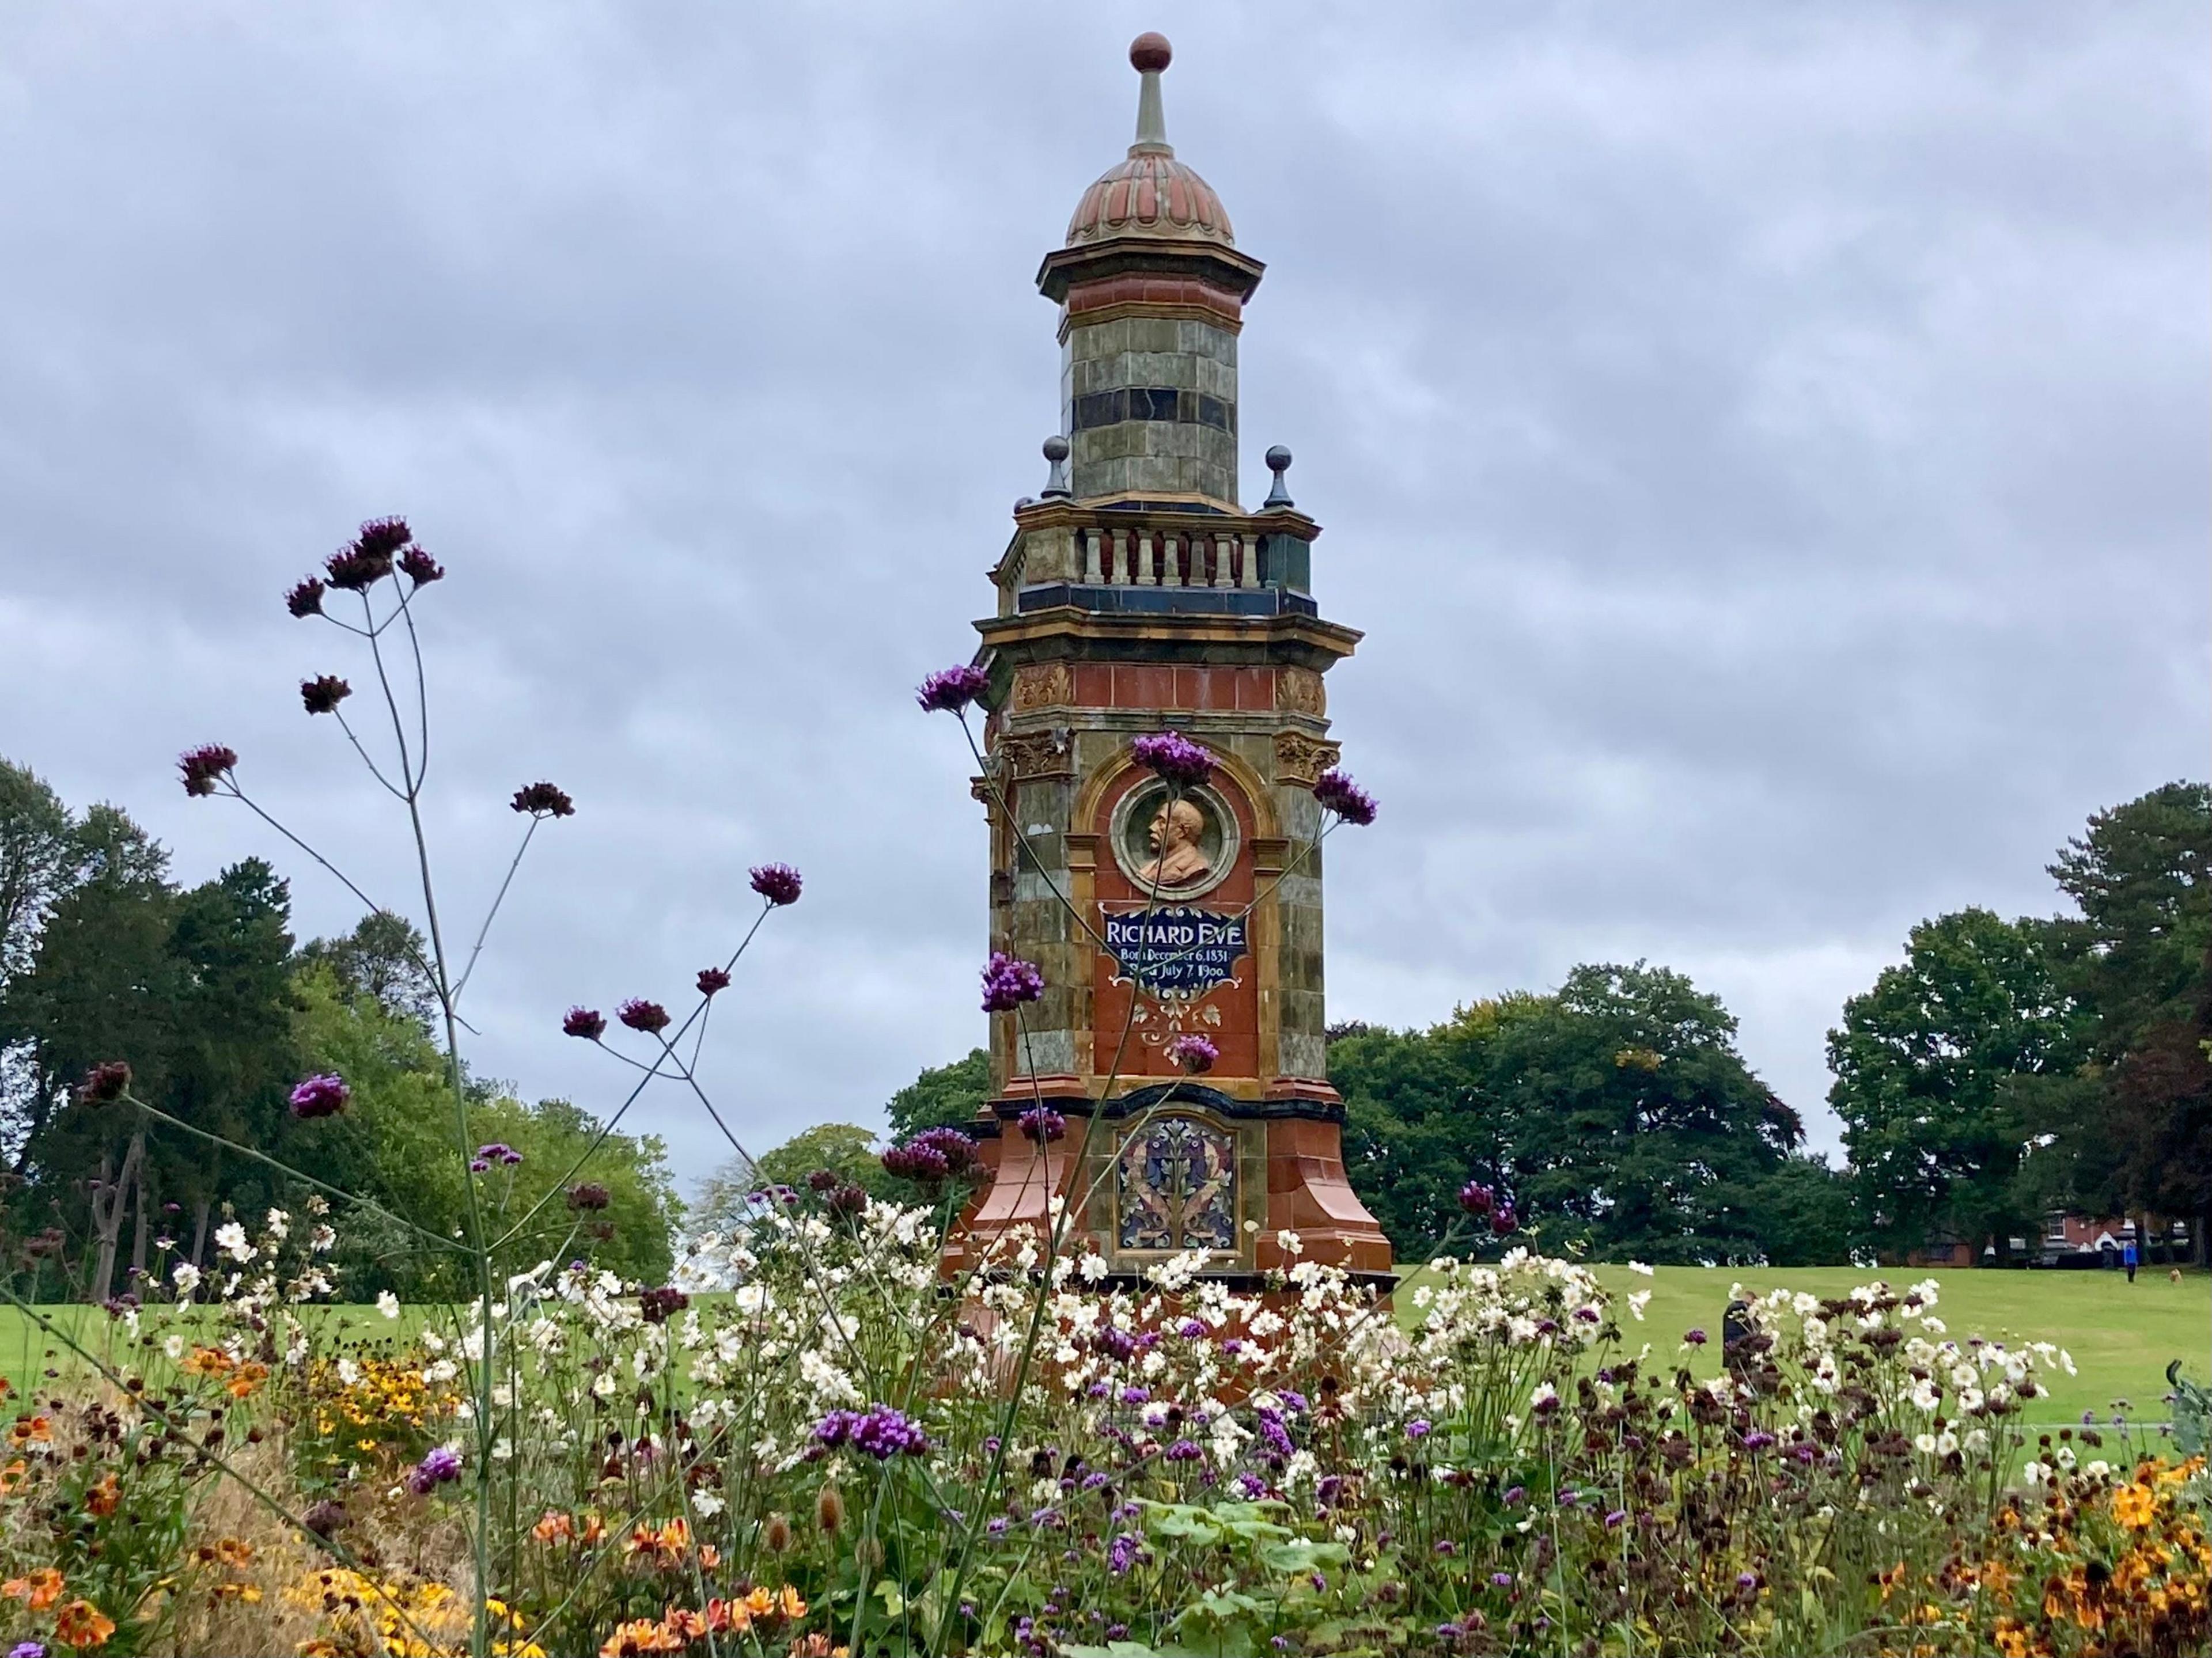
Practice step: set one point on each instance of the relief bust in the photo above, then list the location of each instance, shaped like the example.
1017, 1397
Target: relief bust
1178, 859
1175, 848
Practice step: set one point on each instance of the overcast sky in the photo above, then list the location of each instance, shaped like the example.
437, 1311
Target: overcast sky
1765, 447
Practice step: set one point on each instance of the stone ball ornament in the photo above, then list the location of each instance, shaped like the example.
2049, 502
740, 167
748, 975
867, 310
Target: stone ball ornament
1149, 53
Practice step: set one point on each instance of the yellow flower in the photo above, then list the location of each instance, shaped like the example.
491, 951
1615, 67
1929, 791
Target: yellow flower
2135, 1506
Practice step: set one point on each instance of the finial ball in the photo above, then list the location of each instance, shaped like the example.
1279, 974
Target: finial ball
1056, 448
1278, 459
1150, 51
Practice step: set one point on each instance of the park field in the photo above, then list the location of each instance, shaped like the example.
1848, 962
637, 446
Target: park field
2122, 1336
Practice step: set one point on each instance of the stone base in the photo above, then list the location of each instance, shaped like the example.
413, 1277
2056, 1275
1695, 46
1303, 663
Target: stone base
1290, 1172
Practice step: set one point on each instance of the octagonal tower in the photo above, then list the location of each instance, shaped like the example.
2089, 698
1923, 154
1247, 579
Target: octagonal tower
1136, 595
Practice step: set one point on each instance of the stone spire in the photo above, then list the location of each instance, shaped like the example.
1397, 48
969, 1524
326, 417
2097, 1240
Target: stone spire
1152, 290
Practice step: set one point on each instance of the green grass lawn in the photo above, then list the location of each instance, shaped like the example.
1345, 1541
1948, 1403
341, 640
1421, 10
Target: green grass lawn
2121, 1336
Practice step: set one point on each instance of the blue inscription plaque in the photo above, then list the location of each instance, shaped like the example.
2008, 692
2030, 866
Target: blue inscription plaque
1175, 947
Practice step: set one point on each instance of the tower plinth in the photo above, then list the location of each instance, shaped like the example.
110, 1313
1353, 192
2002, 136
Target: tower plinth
1137, 595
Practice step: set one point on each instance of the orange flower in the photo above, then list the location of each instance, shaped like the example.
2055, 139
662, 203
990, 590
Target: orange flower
553, 1526
245, 1380
82, 1624
594, 1531
30, 1430
639, 1636
206, 1361
102, 1497
37, 1591
683, 1622
234, 1551
709, 1556
12, 1475
788, 1603
724, 1616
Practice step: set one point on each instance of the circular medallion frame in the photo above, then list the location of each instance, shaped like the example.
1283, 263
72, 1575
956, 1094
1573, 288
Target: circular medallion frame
1129, 829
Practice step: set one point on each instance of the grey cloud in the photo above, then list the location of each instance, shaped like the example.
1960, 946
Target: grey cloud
1765, 448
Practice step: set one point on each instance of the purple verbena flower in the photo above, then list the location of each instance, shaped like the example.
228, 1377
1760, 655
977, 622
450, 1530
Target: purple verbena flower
204, 766
1503, 1221
777, 883
1042, 1124
1695, 1338
1194, 1054
880, 1431
1008, 981
589, 1194
1419, 1428
1477, 1198
322, 1095
1337, 794
1183, 1450
950, 689
1122, 1553
422, 569
584, 1022
499, 1151
712, 980
306, 598
1175, 758
437, 1468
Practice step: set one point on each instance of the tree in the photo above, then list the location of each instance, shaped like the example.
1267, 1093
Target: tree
395, 1146
1418, 1125
944, 1096
1616, 1115
382, 957
39, 858
1632, 1126
2138, 957
846, 1149
102, 985
1927, 1065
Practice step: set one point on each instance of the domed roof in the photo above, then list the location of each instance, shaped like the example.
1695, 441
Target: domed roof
1150, 193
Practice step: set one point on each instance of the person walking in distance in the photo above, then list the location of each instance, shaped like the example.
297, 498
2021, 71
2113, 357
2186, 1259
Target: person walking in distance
2128, 1258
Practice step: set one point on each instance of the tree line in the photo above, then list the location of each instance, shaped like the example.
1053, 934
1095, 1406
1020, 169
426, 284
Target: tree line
2003, 1070
218, 1011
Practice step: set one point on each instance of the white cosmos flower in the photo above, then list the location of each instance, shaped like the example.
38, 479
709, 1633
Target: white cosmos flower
1639, 1268
388, 1303
230, 1238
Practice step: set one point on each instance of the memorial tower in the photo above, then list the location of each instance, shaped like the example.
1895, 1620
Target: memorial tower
1138, 595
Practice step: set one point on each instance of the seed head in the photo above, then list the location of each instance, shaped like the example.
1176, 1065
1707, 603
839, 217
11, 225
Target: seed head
104, 1084
544, 800
323, 693
641, 1015
203, 767
589, 1194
